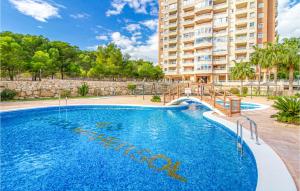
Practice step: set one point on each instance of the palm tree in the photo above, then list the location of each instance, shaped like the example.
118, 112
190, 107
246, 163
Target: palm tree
291, 58
241, 71
257, 58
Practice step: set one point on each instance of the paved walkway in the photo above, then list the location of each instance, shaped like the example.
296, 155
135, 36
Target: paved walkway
284, 139
136, 100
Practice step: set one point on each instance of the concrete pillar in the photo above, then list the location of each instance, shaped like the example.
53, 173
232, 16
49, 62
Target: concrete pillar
226, 78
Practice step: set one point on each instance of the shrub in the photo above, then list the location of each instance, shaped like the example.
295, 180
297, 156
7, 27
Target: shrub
131, 87
288, 109
8, 94
155, 98
245, 90
65, 93
297, 95
234, 90
83, 90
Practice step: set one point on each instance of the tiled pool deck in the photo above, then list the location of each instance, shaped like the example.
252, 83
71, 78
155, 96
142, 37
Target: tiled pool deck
284, 139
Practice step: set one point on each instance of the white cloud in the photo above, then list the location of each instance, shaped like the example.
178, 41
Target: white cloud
102, 37
40, 10
133, 27
139, 6
288, 13
117, 8
80, 16
151, 24
136, 49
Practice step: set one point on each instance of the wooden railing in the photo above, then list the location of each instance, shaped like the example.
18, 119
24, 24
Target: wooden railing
222, 100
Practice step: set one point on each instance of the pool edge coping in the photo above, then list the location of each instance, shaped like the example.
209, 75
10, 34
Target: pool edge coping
272, 172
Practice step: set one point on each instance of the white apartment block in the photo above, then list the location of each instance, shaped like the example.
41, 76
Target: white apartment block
200, 39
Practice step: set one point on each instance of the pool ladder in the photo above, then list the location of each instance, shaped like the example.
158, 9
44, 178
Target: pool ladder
239, 132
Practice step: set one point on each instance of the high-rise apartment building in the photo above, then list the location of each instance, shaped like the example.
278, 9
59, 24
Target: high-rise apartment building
200, 39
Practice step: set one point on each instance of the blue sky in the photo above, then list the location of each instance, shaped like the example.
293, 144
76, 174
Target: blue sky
131, 24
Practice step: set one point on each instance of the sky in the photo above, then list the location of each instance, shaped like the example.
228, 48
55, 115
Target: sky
130, 24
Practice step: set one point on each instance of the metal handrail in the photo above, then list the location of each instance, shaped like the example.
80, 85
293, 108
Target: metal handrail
252, 125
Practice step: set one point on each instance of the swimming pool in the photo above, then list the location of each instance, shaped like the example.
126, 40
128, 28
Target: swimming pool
244, 105
121, 148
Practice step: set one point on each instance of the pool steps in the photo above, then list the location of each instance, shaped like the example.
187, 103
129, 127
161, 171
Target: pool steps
239, 132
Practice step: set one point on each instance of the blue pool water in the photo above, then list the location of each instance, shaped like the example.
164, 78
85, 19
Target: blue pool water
244, 106
120, 148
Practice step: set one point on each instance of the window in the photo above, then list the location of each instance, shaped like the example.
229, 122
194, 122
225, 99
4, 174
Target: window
252, 4
260, 25
251, 44
252, 15
251, 24
260, 5
260, 15
251, 34
260, 35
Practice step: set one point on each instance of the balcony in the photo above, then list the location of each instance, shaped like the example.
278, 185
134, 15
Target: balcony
204, 44
240, 59
188, 5
187, 63
241, 2
241, 11
188, 14
203, 18
188, 23
203, 9
203, 52
172, 17
241, 40
172, 25
172, 48
172, 40
187, 72
241, 50
188, 39
242, 30
219, 62
172, 56
171, 72
219, 70
220, 25
187, 56
203, 71
173, 33
189, 47
220, 52
172, 9
220, 7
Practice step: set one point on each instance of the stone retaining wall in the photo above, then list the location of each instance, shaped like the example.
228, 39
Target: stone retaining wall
52, 88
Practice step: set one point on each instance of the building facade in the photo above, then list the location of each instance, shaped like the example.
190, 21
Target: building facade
200, 39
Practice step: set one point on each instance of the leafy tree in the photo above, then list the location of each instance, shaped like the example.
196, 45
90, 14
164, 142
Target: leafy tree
85, 61
67, 56
52, 66
241, 71
257, 58
291, 58
11, 56
39, 62
38, 55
